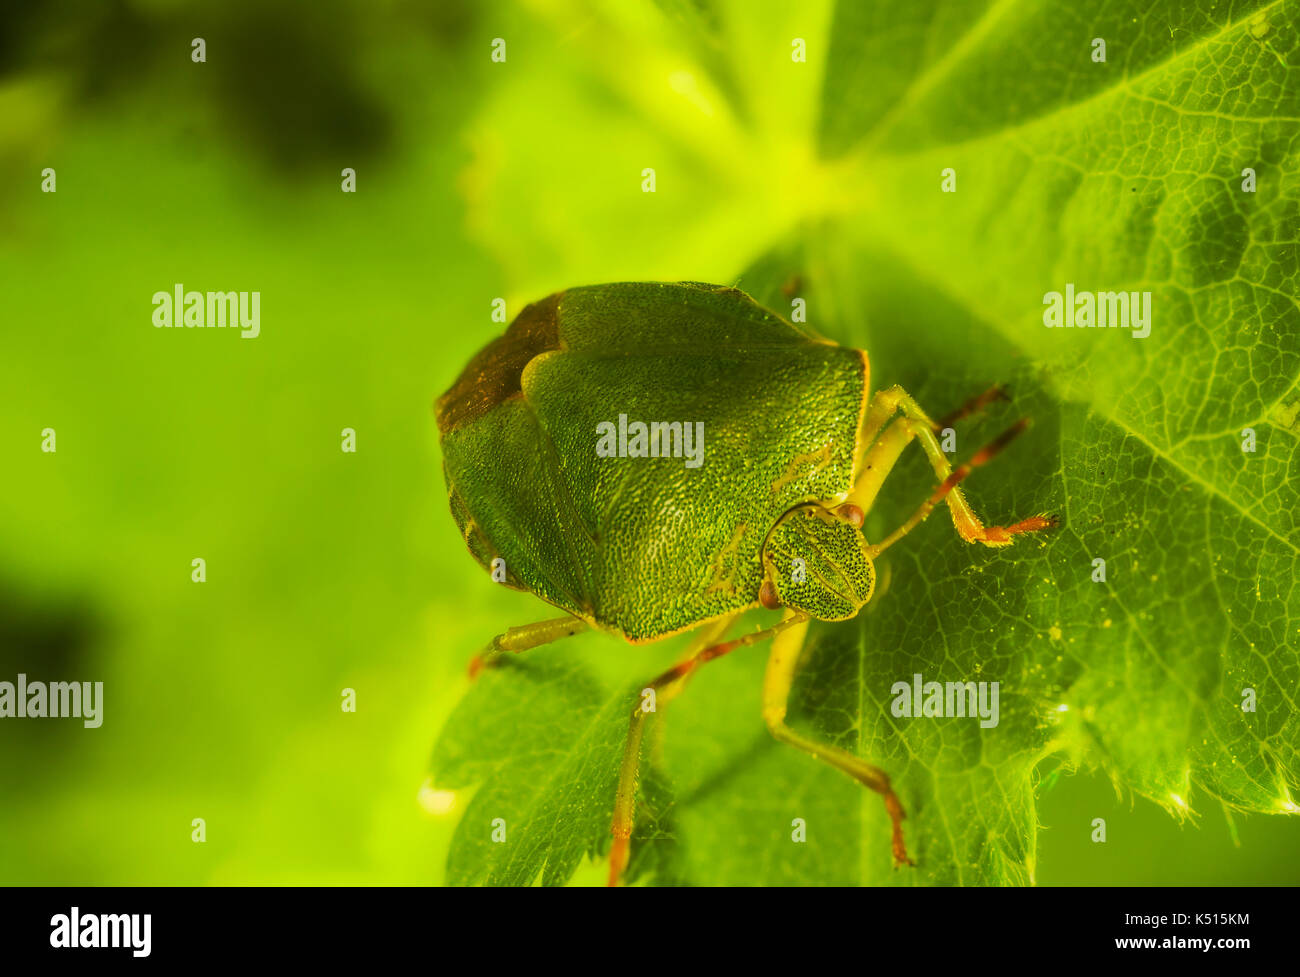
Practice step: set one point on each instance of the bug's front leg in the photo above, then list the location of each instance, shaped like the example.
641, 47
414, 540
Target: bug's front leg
992, 535
777, 682
878, 453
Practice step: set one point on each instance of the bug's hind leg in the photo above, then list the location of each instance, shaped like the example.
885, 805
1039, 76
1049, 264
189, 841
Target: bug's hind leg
875, 462
704, 648
781, 668
524, 637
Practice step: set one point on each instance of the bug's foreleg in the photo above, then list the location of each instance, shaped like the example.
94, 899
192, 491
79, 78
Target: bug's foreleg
524, 637
990, 535
781, 668
875, 462
878, 453
704, 649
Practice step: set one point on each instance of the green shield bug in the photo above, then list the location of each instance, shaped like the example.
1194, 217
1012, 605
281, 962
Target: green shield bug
652, 458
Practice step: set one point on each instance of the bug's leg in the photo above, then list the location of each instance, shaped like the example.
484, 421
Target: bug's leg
883, 406
781, 667
875, 464
878, 453
666, 686
973, 406
992, 535
524, 637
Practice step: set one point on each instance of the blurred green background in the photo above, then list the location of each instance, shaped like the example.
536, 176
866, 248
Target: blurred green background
328, 570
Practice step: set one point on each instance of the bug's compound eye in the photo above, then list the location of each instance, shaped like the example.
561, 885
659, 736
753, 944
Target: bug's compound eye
852, 514
767, 596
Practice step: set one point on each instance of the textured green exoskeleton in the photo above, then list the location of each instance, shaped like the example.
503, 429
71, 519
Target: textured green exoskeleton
646, 547
765, 506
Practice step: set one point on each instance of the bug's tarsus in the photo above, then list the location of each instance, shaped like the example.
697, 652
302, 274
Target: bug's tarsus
1003, 535
993, 535
896, 815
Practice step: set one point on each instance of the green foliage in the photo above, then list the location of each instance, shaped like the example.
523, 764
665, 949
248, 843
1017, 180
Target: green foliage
1125, 174
537, 737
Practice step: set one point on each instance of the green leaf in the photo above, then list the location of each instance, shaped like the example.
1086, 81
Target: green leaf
1116, 175
541, 741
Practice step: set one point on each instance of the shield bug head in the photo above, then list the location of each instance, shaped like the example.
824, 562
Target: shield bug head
816, 561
